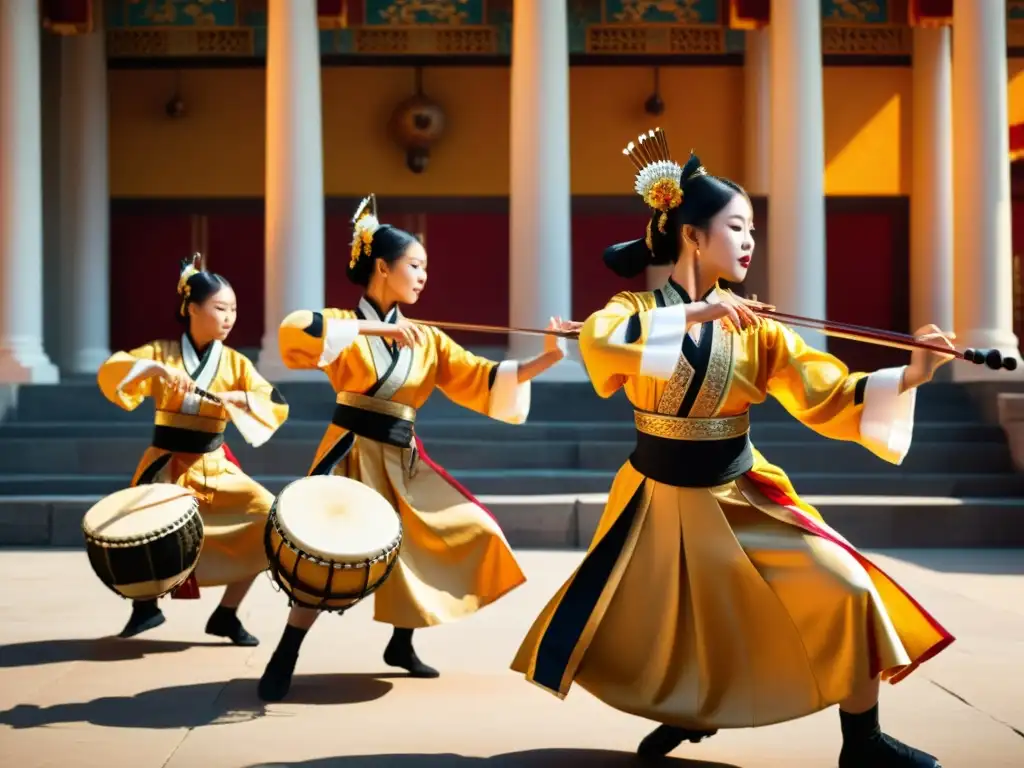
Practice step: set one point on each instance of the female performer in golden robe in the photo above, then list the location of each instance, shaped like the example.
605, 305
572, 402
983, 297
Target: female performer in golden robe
188, 441
454, 559
712, 596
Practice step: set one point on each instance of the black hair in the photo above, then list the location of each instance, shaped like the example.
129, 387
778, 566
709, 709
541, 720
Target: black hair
388, 245
199, 287
704, 196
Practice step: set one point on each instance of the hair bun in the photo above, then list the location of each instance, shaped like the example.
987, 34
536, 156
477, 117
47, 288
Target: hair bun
692, 169
628, 259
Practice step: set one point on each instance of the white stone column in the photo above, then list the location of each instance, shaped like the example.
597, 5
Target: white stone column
22, 358
757, 111
84, 203
796, 198
757, 149
983, 254
294, 176
540, 264
931, 195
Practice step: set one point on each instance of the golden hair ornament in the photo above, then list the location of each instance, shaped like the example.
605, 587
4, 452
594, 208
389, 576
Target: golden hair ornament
364, 225
659, 178
189, 267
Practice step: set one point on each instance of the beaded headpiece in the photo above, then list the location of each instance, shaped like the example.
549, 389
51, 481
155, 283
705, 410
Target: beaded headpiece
364, 225
189, 267
659, 179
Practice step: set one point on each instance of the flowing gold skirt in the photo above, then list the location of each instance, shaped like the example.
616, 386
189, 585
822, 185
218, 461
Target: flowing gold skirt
454, 559
233, 506
723, 608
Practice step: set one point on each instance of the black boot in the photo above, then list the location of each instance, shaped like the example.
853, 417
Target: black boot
145, 616
665, 738
865, 746
399, 653
224, 623
277, 677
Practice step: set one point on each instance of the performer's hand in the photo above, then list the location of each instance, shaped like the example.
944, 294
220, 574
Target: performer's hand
924, 362
751, 302
558, 324
237, 398
735, 316
177, 380
405, 333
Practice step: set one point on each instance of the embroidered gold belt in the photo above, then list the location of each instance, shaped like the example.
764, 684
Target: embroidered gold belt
189, 421
692, 429
377, 405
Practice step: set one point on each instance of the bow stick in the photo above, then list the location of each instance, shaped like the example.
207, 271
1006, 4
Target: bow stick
993, 358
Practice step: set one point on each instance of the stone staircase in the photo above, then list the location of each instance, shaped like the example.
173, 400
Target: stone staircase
63, 447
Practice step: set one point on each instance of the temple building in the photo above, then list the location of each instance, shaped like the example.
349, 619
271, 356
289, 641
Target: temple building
138, 131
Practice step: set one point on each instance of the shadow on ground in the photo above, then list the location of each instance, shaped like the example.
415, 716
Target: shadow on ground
537, 758
192, 706
41, 652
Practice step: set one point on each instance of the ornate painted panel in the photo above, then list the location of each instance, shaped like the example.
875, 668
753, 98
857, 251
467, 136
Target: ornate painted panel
146, 28
854, 11
151, 28
864, 27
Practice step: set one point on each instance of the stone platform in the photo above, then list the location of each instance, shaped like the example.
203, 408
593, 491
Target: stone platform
174, 698
62, 448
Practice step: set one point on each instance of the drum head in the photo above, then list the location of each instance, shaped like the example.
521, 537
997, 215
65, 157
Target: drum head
338, 519
133, 513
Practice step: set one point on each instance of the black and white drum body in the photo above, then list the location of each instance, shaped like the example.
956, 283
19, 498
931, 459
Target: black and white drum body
144, 542
331, 541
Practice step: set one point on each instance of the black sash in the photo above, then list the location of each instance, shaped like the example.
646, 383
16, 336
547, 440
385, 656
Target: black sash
178, 440
692, 463
380, 427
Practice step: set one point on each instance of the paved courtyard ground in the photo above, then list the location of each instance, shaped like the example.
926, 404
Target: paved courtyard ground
71, 696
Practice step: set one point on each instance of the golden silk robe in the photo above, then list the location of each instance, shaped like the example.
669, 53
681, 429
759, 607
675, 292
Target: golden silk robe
727, 601
454, 558
188, 450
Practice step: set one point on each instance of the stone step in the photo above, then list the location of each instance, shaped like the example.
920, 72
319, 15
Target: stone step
509, 481
82, 401
141, 428
568, 521
116, 456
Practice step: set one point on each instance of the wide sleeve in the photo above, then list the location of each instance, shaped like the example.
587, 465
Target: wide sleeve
628, 339
818, 390
310, 340
481, 385
125, 379
266, 408
266, 404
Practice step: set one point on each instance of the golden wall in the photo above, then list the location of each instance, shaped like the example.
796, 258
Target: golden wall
216, 150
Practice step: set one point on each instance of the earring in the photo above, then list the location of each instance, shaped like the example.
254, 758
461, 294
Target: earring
696, 253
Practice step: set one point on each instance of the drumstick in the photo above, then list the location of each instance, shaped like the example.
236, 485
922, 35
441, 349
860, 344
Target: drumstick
208, 396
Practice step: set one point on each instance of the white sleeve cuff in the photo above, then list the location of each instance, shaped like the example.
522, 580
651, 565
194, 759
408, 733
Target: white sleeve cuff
887, 421
571, 349
338, 334
510, 400
664, 342
142, 369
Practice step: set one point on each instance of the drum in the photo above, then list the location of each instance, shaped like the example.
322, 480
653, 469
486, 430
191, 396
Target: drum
331, 541
144, 541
